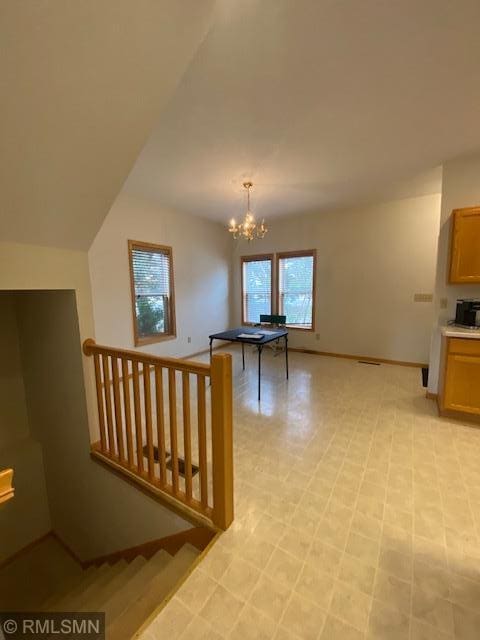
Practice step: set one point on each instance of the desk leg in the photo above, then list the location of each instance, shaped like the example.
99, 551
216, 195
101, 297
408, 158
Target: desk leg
286, 354
260, 349
243, 356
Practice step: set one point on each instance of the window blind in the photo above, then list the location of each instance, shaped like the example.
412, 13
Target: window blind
151, 269
295, 289
151, 272
257, 289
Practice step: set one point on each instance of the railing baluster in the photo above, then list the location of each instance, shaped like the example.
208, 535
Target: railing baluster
202, 440
138, 416
100, 407
172, 403
147, 397
127, 410
187, 433
118, 409
160, 423
108, 404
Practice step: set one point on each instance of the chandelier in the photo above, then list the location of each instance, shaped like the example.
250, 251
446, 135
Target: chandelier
248, 229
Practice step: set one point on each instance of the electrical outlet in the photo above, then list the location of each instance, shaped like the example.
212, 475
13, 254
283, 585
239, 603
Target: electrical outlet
443, 303
317, 336
189, 339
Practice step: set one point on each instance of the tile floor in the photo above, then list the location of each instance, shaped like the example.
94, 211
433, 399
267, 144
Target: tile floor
357, 514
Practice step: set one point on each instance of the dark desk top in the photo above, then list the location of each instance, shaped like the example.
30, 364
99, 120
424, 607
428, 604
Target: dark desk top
232, 335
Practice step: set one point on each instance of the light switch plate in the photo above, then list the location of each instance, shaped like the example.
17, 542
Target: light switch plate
443, 303
423, 297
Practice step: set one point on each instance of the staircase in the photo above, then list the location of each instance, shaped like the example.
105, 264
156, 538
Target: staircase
46, 578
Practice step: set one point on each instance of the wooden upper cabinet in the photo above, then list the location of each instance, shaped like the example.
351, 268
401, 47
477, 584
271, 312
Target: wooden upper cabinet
465, 249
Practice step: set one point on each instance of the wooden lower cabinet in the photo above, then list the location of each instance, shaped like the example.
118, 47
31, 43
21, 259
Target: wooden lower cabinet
461, 389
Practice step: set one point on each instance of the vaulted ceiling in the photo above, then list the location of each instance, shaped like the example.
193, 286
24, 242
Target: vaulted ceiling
321, 103
82, 82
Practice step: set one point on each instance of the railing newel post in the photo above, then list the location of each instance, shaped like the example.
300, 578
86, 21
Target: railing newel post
87, 346
222, 440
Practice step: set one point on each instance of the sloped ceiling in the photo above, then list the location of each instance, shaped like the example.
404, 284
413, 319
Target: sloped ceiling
82, 83
321, 103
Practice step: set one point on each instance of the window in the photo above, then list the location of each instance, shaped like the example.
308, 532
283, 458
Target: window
256, 287
296, 286
153, 302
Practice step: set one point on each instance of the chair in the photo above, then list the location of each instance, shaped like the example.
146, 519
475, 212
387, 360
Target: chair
274, 321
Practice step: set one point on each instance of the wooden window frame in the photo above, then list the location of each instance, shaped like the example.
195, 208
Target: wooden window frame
172, 333
256, 258
298, 254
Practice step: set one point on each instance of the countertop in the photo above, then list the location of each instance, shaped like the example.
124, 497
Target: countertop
451, 331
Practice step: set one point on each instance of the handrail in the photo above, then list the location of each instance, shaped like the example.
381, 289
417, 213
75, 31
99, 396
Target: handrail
6, 489
90, 347
153, 433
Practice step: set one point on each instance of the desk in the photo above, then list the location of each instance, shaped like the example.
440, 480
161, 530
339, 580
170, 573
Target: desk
232, 335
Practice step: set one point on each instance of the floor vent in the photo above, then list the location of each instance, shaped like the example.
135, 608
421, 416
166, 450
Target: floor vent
181, 467
375, 364
155, 453
168, 457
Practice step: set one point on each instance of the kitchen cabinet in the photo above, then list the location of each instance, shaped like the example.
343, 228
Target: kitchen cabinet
461, 387
465, 246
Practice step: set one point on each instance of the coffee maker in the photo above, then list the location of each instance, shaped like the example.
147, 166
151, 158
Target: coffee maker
466, 314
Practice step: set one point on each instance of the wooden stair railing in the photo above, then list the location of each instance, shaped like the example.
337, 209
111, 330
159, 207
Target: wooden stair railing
6, 489
151, 431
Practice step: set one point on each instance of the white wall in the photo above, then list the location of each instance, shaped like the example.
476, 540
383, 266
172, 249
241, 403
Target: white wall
32, 267
461, 188
201, 263
13, 409
370, 262
27, 517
